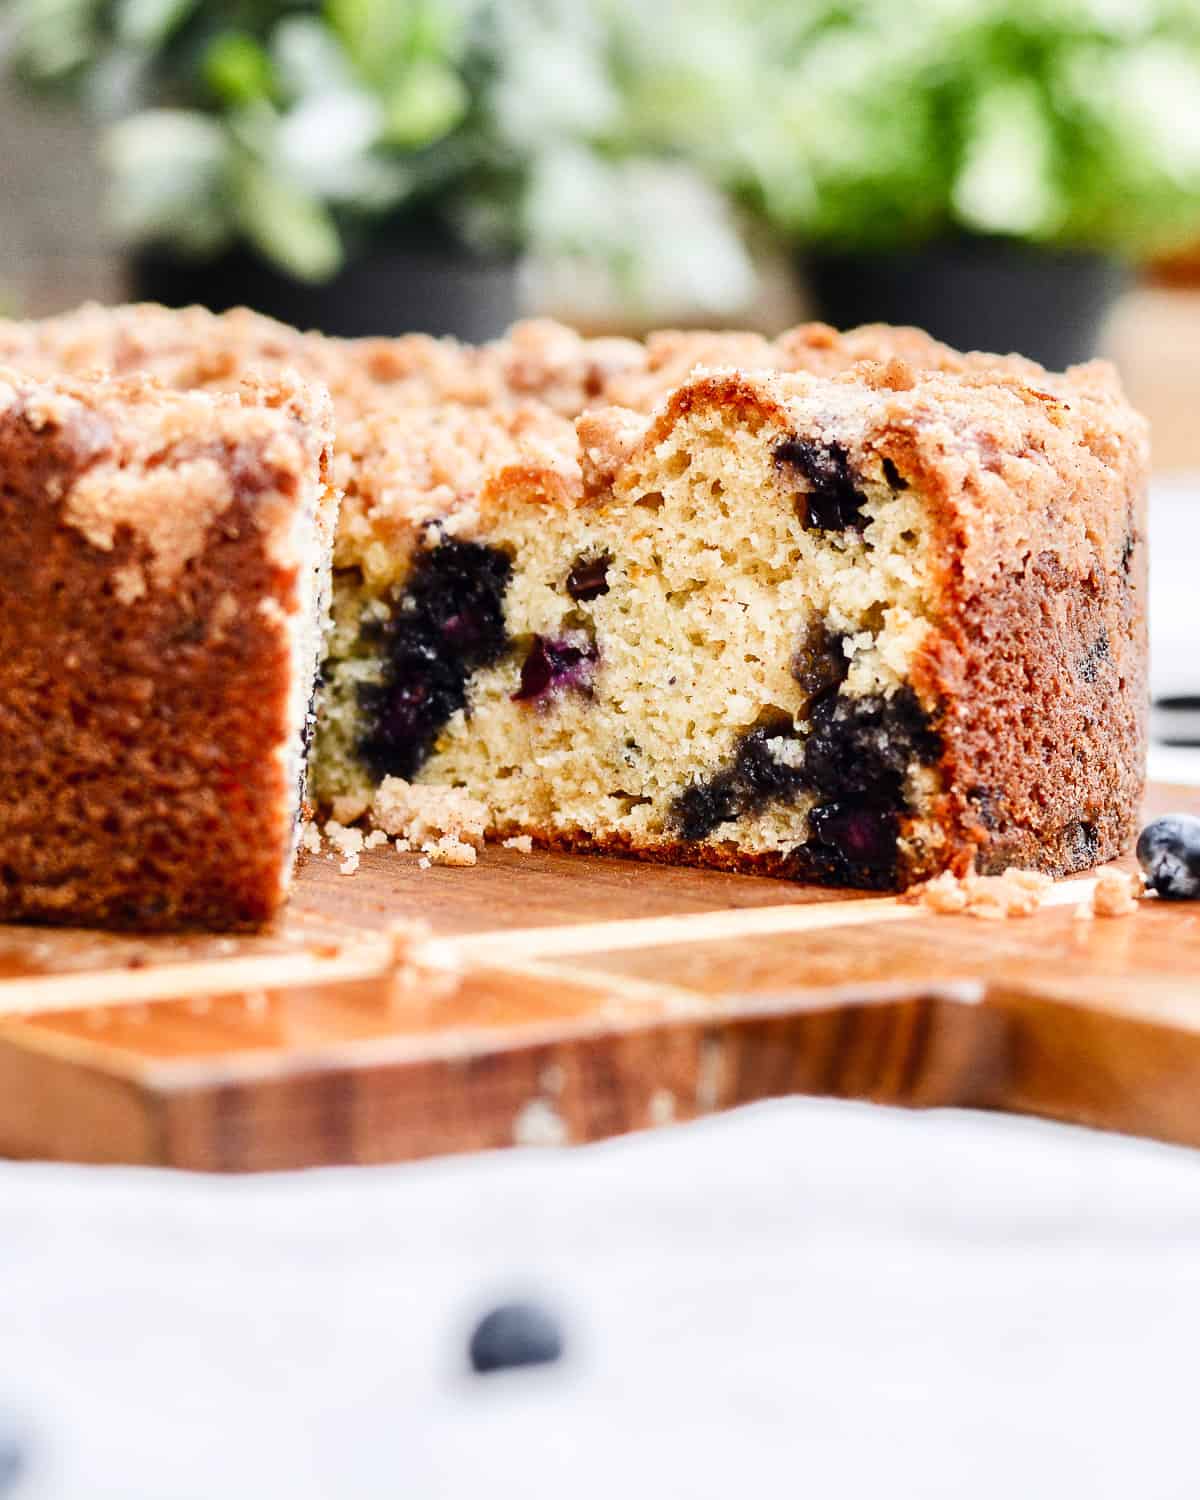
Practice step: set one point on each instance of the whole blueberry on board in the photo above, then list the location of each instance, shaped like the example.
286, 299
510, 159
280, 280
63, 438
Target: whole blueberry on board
1168, 851
515, 1334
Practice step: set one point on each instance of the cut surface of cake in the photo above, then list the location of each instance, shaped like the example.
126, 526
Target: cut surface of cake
854, 629
845, 607
166, 574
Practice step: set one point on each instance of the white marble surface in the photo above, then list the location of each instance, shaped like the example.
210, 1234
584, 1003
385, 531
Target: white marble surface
804, 1298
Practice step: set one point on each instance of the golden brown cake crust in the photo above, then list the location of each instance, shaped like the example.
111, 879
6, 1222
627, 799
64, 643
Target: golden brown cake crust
145, 667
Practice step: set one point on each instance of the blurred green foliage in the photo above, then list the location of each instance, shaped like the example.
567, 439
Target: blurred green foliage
307, 127
875, 123
628, 129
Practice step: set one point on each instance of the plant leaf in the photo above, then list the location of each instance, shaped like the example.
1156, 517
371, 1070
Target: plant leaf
294, 230
237, 68
428, 103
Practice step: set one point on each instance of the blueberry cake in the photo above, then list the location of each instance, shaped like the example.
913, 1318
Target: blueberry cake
854, 628
166, 573
853, 608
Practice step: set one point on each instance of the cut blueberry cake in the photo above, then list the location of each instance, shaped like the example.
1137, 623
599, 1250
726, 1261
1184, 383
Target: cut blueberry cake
848, 607
855, 628
166, 573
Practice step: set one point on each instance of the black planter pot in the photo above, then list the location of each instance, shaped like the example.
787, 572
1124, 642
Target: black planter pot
976, 294
385, 291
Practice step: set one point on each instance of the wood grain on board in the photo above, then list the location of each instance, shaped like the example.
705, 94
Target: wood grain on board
564, 998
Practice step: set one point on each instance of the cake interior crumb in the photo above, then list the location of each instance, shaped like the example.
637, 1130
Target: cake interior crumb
427, 814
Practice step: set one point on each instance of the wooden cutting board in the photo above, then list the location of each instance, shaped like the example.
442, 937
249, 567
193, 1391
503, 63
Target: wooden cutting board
567, 998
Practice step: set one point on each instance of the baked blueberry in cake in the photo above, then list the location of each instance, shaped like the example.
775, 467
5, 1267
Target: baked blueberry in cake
166, 573
851, 608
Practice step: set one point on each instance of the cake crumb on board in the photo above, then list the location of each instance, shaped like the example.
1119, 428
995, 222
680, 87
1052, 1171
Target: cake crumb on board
428, 813
447, 824
523, 844
1115, 894
990, 898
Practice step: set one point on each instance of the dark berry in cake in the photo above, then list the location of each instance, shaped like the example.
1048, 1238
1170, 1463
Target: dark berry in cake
706, 805
819, 662
515, 1334
588, 579
447, 623
764, 777
756, 778
854, 844
1083, 845
1092, 659
892, 474
855, 760
859, 749
553, 665
834, 501
1168, 851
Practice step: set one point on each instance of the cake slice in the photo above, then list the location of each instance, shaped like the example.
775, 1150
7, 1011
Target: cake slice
854, 628
166, 571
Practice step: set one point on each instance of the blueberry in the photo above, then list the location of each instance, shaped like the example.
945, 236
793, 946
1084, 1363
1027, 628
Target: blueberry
588, 579
705, 805
1089, 664
834, 501
855, 762
892, 474
755, 779
860, 748
14, 1456
854, 844
763, 777
1168, 850
819, 662
1083, 845
447, 623
515, 1334
554, 665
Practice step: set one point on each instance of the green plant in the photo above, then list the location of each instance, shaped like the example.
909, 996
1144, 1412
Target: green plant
290, 125
307, 127
1072, 122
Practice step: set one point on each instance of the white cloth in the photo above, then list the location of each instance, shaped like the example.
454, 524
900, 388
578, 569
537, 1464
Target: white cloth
805, 1298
